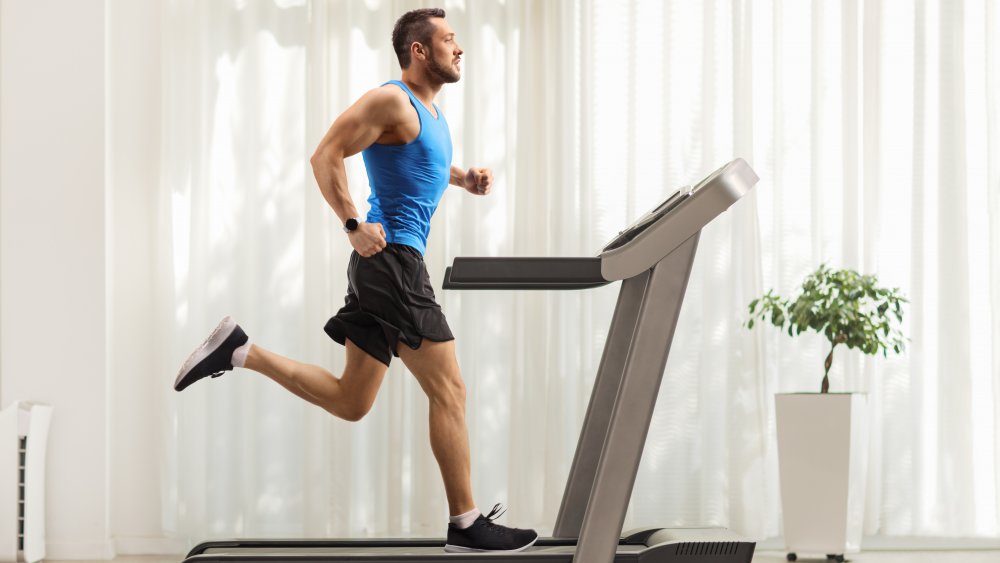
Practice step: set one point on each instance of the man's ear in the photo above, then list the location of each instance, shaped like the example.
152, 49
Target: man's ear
419, 50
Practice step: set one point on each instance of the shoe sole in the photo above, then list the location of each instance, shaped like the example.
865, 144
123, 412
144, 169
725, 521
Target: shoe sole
225, 327
459, 549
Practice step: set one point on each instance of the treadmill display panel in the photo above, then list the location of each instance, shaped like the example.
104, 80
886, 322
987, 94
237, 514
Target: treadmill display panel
643, 222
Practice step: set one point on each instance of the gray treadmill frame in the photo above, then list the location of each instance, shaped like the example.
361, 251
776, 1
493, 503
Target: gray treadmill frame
609, 450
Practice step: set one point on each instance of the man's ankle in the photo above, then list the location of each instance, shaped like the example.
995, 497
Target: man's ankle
464, 520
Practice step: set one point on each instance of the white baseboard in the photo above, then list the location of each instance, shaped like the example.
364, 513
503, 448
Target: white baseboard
79, 550
890, 543
151, 546
104, 551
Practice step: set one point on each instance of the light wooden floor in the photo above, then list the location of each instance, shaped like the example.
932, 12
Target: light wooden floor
759, 557
892, 557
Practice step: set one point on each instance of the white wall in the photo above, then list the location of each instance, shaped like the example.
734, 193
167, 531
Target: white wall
53, 333
139, 377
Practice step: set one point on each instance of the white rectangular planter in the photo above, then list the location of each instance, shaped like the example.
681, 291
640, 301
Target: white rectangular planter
822, 462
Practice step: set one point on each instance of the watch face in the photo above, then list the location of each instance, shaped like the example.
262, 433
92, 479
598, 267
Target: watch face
351, 224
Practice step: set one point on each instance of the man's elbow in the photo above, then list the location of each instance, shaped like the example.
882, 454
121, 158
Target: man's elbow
325, 155
318, 158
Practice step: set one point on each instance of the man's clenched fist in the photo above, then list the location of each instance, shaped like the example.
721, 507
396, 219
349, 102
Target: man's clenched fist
368, 239
478, 181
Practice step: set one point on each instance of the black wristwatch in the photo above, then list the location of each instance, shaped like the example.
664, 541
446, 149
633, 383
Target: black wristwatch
352, 224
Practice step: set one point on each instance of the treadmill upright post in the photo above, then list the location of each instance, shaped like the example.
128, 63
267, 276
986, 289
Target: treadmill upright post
633, 408
602, 399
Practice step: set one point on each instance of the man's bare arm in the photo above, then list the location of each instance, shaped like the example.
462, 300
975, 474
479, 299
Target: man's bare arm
457, 177
477, 181
355, 130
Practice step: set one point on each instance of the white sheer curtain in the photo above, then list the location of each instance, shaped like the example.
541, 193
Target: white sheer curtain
873, 125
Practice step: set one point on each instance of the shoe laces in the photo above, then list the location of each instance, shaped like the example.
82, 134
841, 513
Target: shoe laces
493, 515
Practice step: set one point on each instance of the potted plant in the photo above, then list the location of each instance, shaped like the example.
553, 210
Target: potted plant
822, 437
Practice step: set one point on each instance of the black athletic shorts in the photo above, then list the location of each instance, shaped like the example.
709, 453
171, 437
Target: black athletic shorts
389, 300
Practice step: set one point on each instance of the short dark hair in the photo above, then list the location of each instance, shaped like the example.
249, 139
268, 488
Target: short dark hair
413, 26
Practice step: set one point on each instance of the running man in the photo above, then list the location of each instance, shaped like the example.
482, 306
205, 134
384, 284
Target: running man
390, 309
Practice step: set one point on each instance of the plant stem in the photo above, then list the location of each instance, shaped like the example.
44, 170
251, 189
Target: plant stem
825, 388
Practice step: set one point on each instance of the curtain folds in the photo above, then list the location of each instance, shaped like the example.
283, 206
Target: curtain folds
875, 129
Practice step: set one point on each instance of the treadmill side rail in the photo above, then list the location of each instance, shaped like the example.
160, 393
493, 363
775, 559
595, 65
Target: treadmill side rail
206, 546
248, 543
524, 273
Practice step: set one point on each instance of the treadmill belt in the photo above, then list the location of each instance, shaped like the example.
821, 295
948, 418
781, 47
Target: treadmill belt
383, 551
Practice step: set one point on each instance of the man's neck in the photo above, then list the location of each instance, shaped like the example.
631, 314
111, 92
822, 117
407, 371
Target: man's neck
424, 89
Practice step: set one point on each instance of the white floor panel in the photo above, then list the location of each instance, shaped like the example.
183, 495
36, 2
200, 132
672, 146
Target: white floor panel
890, 557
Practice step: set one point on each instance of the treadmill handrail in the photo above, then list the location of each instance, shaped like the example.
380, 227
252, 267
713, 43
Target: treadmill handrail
524, 273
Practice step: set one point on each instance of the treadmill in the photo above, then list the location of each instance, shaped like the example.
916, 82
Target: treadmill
653, 258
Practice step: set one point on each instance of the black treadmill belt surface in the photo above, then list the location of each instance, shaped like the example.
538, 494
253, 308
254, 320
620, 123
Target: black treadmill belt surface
543, 554
381, 551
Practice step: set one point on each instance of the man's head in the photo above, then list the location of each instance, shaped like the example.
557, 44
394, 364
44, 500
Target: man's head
424, 37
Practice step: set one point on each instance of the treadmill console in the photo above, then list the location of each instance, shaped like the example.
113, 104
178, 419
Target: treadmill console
659, 232
659, 211
649, 218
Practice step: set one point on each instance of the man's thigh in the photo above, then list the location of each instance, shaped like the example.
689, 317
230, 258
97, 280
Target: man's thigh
363, 374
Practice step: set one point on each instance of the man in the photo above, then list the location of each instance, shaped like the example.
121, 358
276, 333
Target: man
390, 308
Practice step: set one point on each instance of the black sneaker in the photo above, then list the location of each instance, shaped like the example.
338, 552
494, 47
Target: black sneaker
214, 356
484, 535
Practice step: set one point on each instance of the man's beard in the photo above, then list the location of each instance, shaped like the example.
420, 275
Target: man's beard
448, 75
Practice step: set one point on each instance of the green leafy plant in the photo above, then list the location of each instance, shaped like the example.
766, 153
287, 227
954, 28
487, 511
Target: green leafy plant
844, 306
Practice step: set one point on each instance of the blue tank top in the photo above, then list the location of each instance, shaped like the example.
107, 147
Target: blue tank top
407, 181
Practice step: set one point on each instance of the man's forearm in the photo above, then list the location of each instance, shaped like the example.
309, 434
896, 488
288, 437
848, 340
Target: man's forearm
332, 179
457, 177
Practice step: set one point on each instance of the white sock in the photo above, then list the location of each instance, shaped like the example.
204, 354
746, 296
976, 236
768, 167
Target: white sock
240, 355
463, 521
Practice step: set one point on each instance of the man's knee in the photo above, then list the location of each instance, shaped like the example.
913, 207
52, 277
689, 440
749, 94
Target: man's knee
351, 401
448, 391
357, 387
351, 412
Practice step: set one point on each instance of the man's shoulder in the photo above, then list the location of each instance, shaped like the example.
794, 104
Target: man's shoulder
388, 96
